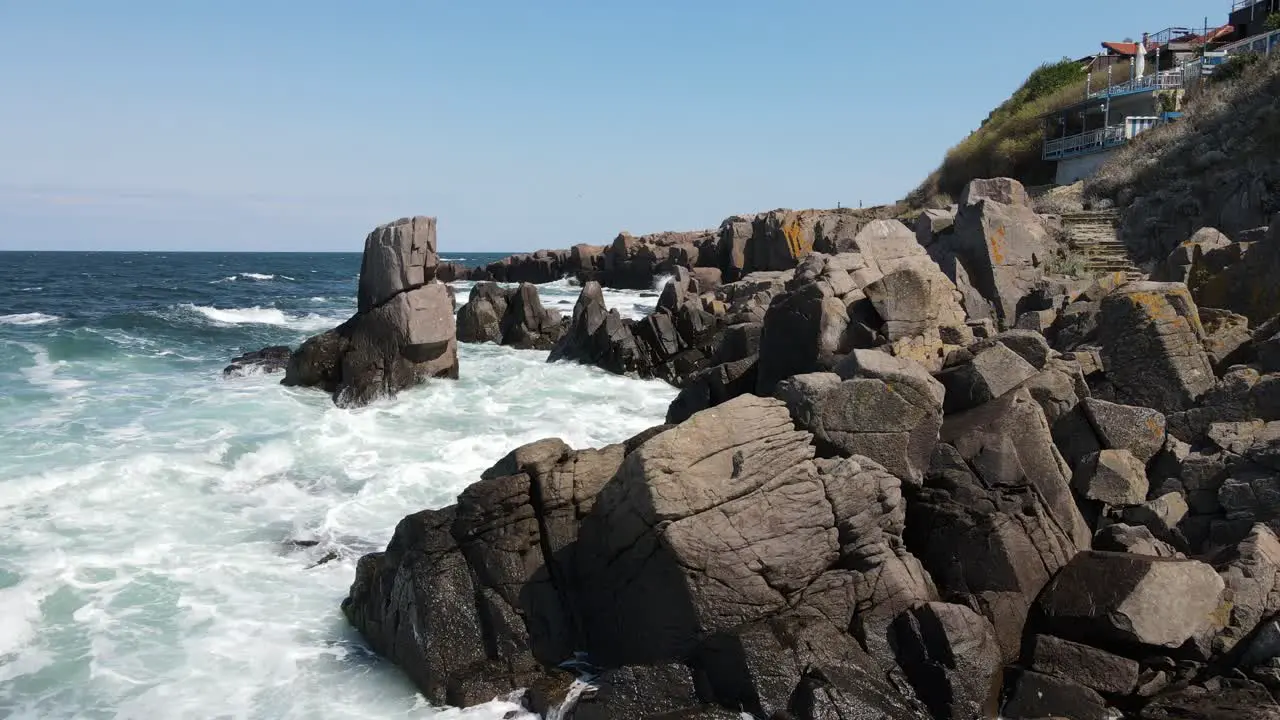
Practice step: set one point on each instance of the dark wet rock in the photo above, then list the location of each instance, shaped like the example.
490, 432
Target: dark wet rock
526, 324
951, 657
479, 320
799, 667
641, 692
1096, 669
267, 360
1035, 696
1249, 703
599, 336
1109, 599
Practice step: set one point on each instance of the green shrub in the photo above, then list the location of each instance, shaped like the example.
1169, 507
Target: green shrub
1273, 21
1235, 66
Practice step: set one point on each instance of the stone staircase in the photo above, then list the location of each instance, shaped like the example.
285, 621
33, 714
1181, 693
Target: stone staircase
1092, 235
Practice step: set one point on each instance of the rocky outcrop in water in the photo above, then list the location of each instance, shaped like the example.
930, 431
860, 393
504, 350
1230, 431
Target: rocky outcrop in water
403, 331
267, 360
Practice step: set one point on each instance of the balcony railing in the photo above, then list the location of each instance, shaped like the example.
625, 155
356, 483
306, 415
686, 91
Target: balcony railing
1261, 44
1086, 142
1167, 80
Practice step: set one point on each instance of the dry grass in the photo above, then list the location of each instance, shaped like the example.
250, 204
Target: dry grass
1009, 144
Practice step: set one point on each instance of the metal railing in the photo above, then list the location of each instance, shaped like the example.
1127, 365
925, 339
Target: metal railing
1242, 4
1086, 142
1262, 44
1167, 35
1167, 80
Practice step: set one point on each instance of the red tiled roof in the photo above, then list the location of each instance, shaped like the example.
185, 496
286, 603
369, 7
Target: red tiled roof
1121, 48
1215, 34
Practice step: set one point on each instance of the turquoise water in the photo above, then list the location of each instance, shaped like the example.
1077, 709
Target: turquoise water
149, 507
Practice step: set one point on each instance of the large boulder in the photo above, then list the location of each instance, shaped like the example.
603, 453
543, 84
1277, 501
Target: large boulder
1244, 286
1113, 477
989, 374
804, 332
1139, 430
1151, 346
1096, 669
881, 407
996, 518
400, 343
1005, 191
470, 601
1251, 572
398, 256
599, 336
1121, 600
526, 324
727, 519
1001, 246
479, 320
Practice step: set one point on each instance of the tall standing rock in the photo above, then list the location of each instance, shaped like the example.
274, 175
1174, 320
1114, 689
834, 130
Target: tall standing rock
1001, 242
398, 256
403, 331
1152, 346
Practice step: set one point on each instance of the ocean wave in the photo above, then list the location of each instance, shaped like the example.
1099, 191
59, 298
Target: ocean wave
36, 288
262, 316
34, 318
256, 277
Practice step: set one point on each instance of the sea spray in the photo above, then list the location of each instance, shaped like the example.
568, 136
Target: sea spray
148, 507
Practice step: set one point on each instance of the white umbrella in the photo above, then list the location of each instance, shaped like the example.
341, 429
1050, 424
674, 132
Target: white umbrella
1140, 62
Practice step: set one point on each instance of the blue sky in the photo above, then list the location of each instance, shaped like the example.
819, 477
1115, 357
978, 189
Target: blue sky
273, 125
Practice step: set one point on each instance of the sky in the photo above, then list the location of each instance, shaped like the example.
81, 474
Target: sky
299, 126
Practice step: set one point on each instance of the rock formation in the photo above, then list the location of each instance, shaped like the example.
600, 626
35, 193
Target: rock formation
874, 497
403, 331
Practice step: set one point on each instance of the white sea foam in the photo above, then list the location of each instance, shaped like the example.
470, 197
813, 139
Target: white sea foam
257, 277
143, 531
264, 316
34, 318
35, 288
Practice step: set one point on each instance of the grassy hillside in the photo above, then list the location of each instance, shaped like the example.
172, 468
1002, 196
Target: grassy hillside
1009, 142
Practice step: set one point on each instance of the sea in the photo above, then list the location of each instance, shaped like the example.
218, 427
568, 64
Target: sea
175, 544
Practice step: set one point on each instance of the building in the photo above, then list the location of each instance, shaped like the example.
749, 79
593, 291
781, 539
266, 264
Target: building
1082, 136
1249, 17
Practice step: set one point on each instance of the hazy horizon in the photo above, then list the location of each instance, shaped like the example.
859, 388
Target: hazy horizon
241, 126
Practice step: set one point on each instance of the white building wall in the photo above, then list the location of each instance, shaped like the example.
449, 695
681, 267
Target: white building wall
1072, 170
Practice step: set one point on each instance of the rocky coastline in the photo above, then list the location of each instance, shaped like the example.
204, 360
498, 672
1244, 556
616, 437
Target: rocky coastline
911, 473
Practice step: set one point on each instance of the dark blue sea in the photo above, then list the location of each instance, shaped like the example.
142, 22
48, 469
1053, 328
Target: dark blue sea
150, 508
